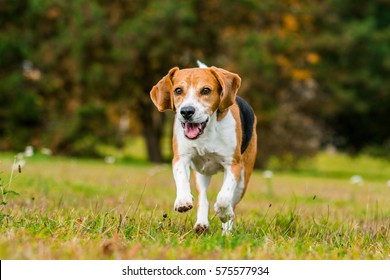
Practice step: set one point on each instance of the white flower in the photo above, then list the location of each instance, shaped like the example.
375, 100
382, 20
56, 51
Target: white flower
29, 151
388, 183
19, 162
268, 174
357, 180
109, 159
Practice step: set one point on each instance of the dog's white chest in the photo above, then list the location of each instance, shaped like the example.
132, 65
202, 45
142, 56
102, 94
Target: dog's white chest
208, 163
212, 151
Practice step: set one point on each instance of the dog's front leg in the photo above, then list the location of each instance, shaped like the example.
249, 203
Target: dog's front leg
224, 204
202, 182
181, 172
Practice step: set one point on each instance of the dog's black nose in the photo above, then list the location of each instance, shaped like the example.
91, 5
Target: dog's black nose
187, 112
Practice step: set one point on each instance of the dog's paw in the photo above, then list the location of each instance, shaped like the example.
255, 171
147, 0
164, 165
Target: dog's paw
223, 207
224, 211
201, 227
225, 214
183, 204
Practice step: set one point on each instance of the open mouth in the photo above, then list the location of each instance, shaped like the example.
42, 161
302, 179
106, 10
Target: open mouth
194, 130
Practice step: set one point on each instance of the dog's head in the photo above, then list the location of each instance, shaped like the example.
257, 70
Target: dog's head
195, 94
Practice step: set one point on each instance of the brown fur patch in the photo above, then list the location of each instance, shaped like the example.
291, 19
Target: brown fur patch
230, 84
176, 156
161, 94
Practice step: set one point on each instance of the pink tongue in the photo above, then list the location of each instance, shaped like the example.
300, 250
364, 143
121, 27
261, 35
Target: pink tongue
192, 130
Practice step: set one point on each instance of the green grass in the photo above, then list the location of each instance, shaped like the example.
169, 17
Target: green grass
86, 209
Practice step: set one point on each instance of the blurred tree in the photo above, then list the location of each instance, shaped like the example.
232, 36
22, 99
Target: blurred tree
275, 62
70, 72
92, 53
353, 42
146, 44
20, 106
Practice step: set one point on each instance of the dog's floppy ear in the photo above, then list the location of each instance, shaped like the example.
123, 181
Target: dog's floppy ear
161, 94
230, 83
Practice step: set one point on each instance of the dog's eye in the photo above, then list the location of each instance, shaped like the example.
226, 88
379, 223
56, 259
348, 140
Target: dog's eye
205, 91
178, 91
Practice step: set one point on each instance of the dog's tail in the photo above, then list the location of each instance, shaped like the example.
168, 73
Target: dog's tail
201, 64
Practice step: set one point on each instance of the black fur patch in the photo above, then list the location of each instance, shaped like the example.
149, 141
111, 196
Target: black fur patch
247, 117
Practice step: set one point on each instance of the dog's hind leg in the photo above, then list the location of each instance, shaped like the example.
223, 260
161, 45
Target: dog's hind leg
239, 190
237, 195
224, 206
202, 182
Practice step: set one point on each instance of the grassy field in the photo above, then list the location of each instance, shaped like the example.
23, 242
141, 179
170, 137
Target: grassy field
87, 209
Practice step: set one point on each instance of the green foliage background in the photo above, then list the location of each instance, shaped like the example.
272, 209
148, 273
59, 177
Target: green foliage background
316, 72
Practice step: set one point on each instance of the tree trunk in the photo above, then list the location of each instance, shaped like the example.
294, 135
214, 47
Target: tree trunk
153, 125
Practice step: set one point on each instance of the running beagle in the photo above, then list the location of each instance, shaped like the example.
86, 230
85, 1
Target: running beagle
214, 130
